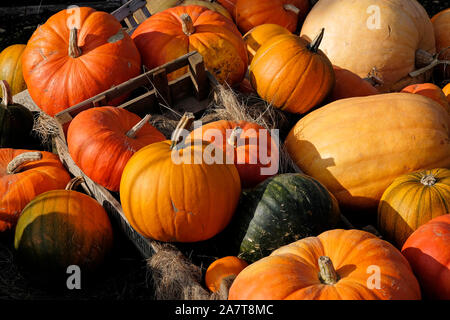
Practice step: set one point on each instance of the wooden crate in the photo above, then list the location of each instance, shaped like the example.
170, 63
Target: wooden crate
133, 13
188, 93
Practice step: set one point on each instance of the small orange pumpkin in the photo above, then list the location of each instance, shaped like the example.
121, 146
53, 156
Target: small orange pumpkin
11, 67
221, 269
431, 91
349, 84
446, 91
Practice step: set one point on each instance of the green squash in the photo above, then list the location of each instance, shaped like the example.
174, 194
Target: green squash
16, 121
281, 210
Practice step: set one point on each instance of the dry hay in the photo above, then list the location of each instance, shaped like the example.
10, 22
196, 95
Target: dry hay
45, 127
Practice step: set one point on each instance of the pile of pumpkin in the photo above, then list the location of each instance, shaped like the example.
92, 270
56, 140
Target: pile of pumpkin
372, 139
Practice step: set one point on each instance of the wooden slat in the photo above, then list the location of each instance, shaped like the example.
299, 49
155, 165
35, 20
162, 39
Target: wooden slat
128, 9
199, 78
161, 85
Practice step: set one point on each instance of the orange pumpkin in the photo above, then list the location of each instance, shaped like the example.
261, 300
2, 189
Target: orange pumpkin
230, 5
102, 140
155, 6
431, 91
242, 142
11, 67
292, 74
441, 24
286, 13
412, 200
349, 85
24, 174
179, 30
336, 265
260, 34
221, 269
63, 66
179, 193
446, 91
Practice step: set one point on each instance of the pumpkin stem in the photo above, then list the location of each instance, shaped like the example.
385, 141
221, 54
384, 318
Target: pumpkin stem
23, 158
428, 180
374, 78
74, 183
426, 61
187, 24
138, 126
327, 273
314, 45
234, 136
6, 93
291, 7
184, 124
74, 50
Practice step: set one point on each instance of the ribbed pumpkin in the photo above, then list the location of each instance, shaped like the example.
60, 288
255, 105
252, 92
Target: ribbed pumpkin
177, 193
60, 228
431, 91
286, 13
356, 147
156, 6
349, 85
367, 34
24, 174
179, 30
428, 253
260, 34
222, 268
292, 74
441, 25
411, 201
243, 142
280, 210
16, 121
230, 5
102, 140
336, 265
11, 67
63, 66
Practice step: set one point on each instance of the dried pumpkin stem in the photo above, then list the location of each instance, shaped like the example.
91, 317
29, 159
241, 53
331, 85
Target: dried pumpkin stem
429, 61
374, 78
74, 183
327, 273
291, 7
23, 158
74, 50
428, 180
184, 124
138, 126
314, 45
234, 136
187, 24
6, 93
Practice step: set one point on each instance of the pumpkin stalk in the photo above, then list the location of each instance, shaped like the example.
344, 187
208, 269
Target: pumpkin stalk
374, 78
314, 45
6, 91
428, 180
24, 158
187, 24
291, 7
184, 124
427, 61
234, 136
327, 273
133, 131
74, 50
74, 183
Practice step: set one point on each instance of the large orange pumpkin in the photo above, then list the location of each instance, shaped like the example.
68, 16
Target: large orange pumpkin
292, 74
431, 91
221, 269
176, 31
260, 34
63, 66
230, 5
366, 34
286, 13
243, 142
428, 253
411, 201
156, 6
441, 24
336, 265
11, 67
102, 140
179, 193
357, 146
24, 174
349, 85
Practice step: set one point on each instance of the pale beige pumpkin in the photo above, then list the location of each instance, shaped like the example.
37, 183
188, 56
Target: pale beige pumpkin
364, 34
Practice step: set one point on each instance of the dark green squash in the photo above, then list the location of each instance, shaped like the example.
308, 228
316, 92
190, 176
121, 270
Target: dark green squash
278, 211
16, 121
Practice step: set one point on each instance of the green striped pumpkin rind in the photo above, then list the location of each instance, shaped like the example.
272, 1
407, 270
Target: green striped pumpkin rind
281, 210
